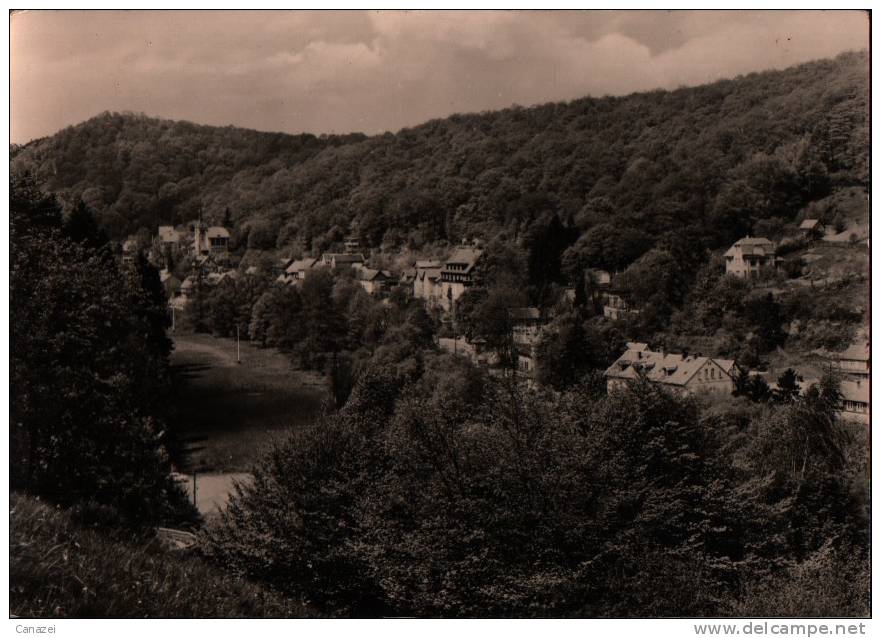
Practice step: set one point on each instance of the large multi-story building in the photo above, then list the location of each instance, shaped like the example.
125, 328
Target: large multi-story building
460, 272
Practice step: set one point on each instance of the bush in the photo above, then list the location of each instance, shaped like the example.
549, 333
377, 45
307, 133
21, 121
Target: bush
530, 505
829, 583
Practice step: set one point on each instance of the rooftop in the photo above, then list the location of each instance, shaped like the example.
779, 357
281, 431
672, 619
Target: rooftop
371, 274
299, 265
217, 232
464, 256
855, 352
524, 314
661, 367
168, 234
343, 258
856, 391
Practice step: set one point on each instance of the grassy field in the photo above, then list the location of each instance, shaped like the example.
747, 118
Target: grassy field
58, 569
230, 413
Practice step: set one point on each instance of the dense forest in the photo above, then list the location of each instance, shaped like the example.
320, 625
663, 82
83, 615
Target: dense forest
704, 163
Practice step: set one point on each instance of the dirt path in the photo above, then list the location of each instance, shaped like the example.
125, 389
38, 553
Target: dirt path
213, 491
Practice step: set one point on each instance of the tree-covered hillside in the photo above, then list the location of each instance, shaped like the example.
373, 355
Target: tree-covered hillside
706, 162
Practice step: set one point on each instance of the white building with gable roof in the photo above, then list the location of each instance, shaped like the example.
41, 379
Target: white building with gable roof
677, 372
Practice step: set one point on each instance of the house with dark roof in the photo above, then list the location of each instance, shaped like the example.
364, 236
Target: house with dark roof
811, 229
855, 400
460, 271
749, 256
680, 373
296, 270
339, 260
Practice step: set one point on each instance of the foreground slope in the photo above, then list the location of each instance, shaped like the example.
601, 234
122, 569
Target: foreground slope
62, 569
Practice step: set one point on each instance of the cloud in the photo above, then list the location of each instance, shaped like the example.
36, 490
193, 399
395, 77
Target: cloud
383, 70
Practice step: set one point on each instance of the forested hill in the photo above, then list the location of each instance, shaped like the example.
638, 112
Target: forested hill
706, 162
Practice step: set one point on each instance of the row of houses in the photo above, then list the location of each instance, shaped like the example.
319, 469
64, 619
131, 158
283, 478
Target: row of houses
373, 280
439, 283
195, 239
690, 374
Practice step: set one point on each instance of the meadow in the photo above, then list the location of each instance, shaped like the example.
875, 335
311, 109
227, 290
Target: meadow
229, 414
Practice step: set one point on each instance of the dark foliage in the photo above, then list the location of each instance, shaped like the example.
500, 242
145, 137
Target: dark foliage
413, 503
88, 369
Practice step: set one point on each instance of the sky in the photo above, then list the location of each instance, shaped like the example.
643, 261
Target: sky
376, 71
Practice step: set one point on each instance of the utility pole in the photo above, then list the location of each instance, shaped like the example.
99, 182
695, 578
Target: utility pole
172, 317
194, 488
238, 348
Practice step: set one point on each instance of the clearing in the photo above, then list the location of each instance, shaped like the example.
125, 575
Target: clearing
229, 414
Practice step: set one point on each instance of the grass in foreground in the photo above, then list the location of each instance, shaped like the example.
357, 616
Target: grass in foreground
59, 569
230, 413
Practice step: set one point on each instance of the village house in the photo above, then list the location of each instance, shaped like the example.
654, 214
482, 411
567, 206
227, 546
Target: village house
296, 270
526, 325
214, 278
169, 237
211, 240
680, 373
811, 229
855, 400
339, 260
351, 244
749, 256
526, 362
460, 272
373, 281
598, 278
617, 305
476, 351
854, 361
427, 282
